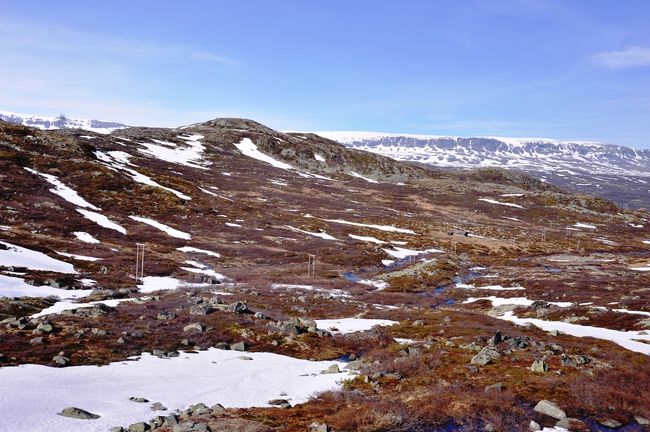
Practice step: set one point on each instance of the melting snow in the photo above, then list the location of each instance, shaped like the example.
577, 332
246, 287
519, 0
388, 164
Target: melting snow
188, 249
519, 301
351, 325
387, 228
78, 257
322, 235
191, 156
319, 158
207, 376
584, 225
17, 287
102, 220
17, 256
379, 284
61, 306
162, 227
367, 239
85, 237
493, 201
401, 253
64, 191
233, 225
490, 287
622, 338
119, 160
247, 148
369, 180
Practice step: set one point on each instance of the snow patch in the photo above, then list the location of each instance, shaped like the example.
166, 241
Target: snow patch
85, 237
17, 256
102, 220
162, 227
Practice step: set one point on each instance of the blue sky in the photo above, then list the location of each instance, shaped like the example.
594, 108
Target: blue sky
564, 69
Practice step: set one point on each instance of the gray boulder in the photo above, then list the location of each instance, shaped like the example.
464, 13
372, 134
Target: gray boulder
485, 356
77, 413
539, 366
196, 327
238, 346
550, 409
139, 427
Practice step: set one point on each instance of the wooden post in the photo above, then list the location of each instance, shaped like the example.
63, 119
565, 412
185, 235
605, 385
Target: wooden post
139, 261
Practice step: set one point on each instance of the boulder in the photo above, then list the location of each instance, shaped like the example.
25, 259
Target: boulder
539, 366
550, 409
139, 427
138, 399
610, 423
572, 424
319, 427
485, 356
166, 316
200, 309
197, 327
61, 360
77, 413
239, 308
334, 369
238, 346
533, 426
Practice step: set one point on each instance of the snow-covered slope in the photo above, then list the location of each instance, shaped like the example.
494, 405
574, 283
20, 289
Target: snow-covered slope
615, 172
60, 122
539, 154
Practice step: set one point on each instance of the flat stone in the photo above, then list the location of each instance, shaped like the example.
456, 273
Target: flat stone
78, 413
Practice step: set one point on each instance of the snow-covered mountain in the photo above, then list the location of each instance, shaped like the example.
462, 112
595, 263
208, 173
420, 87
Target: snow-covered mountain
60, 122
616, 172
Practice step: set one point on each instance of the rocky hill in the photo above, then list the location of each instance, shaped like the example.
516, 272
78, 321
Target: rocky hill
279, 265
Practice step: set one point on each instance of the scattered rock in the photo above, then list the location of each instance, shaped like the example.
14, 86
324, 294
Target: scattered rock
200, 309
319, 427
197, 327
36, 341
139, 427
138, 399
117, 429
334, 369
166, 316
239, 308
157, 406
217, 408
572, 424
238, 346
199, 409
44, 328
77, 413
485, 356
610, 423
642, 420
533, 426
61, 360
539, 366
550, 409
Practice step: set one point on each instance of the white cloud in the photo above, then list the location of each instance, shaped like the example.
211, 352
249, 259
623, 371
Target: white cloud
628, 57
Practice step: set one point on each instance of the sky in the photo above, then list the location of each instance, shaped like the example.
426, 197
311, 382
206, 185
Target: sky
566, 69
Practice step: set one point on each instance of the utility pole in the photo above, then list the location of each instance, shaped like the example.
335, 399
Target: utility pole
543, 235
139, 262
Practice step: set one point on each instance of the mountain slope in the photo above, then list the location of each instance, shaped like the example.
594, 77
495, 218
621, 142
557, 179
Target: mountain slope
618, 173
292, 247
